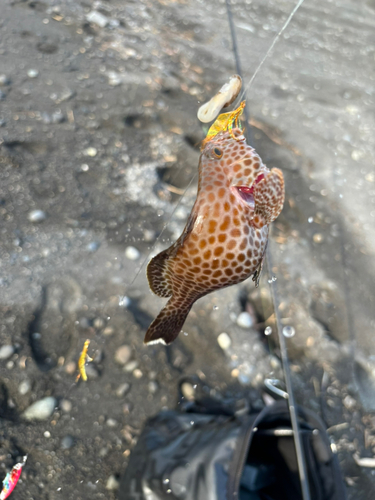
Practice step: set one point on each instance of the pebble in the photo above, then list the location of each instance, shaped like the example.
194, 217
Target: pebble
40, 410
224, 341
98, 323
122, 389
67, 442
93, 246
114, 78
132, 365
70, 367
108, 330
244, 320
112, 483
188, 391
6, 351
97, 18
66, 405
24, 387
123, 301
318, 238
153, 386
36, 216
349, 402
111, 422
32, 73
132, 253
2, 95
137, 373
91, 152
4, 80
91, 371
123, 354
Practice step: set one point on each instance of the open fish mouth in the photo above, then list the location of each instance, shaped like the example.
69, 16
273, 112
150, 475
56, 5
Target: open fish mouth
247, 193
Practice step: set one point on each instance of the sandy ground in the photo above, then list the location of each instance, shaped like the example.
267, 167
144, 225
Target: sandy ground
99, 138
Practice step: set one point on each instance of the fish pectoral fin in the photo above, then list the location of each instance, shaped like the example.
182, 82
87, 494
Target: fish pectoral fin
158, 274
167, 325
269, 195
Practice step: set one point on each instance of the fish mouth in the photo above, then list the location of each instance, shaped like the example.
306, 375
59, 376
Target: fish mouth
247, 193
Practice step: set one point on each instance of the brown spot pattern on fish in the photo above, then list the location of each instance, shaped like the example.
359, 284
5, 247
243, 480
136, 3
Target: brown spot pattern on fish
225, 238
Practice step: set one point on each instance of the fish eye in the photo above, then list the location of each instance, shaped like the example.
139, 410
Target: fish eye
217, 152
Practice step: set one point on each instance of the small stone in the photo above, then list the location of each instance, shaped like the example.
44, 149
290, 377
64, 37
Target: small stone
24, 387
127, 408
349, 402
91, 371
70, 367
114, 78
149, 235
123, 354
93, 246
244, 320
132, 253
153, 386
91, 152
67, 442
132, 365
188, 391
57, 117
4, 80
318, 238
32, 73
36, 216
2, 95
6, 351
224, 341
112, 483
66, 405
137, 373
108, 330
111, 422
47, 434
84, 322
40, 410
122, 390
98, 323
97, 18
123, 301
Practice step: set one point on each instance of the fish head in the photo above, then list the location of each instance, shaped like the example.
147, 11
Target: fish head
260, 190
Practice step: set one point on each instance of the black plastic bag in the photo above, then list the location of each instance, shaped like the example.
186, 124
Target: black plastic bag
213, 456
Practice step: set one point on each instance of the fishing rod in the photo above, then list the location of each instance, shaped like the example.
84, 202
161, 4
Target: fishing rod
301, 460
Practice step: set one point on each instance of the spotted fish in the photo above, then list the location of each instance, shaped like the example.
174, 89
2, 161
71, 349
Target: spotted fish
225, 237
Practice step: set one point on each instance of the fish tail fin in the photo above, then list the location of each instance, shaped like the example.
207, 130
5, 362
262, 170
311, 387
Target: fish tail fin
167, 325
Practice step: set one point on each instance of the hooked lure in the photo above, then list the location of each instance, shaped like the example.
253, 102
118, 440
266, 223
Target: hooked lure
225, 122
11, 479
83, 358
225, 237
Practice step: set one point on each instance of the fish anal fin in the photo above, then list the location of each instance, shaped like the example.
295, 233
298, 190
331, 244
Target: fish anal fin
159, 276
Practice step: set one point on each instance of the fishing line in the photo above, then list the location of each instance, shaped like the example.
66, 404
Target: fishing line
298, 5
238, 66
162, 231
301, 461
